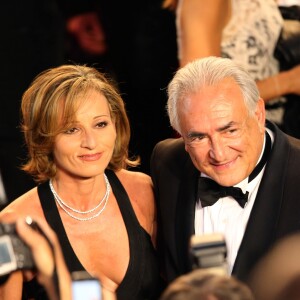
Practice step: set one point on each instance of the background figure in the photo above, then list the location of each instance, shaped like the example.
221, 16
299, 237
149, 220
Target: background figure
277, 275
288, 53
206, 285
32, 40
141, 56
245, 31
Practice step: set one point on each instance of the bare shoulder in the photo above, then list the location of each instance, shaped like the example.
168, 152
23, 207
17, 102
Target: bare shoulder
138, 186
138, 179
27, 204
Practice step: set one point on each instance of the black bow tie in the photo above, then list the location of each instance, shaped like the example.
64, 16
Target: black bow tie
210, 192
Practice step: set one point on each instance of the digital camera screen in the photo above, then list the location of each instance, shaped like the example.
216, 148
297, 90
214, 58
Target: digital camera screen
7, 257
4, 253
89, 289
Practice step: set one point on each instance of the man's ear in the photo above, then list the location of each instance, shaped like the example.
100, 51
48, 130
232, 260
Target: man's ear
260, 113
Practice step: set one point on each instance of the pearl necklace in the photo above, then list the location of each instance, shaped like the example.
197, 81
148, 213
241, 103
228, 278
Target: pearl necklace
65, 206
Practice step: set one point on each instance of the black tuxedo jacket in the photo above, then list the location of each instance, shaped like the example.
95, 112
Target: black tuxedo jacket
276, 211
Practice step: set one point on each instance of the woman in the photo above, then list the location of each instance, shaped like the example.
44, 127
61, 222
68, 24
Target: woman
77, 133
245, 31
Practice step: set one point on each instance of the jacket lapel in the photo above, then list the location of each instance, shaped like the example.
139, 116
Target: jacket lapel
261, 228
185, 215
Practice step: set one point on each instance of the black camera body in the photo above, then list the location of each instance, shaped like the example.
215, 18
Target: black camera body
14, 253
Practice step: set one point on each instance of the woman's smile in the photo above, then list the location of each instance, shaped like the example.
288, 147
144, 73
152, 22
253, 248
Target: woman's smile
90, 157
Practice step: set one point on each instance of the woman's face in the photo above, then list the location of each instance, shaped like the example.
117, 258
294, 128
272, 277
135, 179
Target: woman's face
85, 149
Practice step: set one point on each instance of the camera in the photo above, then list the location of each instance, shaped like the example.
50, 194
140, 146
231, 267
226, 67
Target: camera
209, 251
14, 253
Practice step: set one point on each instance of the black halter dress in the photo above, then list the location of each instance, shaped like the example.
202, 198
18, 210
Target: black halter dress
142, 279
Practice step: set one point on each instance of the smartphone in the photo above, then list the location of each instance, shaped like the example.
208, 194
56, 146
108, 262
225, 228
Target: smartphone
86, 287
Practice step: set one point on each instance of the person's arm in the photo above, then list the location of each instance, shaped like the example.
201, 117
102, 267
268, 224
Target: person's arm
199, 27
283, 83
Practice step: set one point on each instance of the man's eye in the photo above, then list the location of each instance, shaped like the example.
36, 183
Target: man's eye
196, 138
231, 131
199, 138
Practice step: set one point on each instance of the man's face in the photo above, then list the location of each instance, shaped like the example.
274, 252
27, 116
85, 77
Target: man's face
223, 140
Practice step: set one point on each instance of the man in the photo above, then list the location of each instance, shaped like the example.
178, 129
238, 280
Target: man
216, 108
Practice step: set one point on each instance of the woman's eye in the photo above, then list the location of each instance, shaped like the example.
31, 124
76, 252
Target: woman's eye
71, 130
101, 124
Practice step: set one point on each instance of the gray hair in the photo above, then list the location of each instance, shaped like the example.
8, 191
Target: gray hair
207, 72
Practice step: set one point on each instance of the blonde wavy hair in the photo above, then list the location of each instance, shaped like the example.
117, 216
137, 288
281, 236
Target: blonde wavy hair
49, 106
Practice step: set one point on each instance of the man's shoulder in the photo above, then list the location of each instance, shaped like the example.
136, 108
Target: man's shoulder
169, 155
285, 156
295, 143
173, 147
171, 144
284, 142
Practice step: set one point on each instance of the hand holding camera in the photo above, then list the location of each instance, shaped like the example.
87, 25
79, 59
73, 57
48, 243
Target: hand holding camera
33, 246
14, 253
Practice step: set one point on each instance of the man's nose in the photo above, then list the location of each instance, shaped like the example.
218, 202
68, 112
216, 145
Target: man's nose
217, 149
